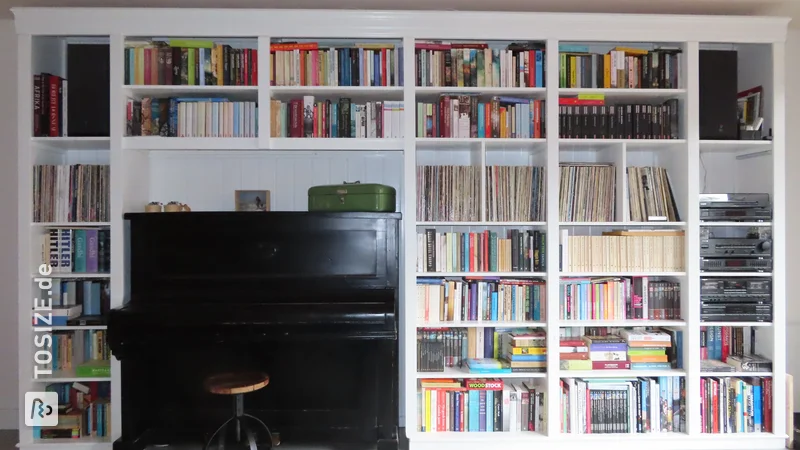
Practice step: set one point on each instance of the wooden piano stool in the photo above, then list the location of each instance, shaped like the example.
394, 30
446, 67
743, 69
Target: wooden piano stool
237, 384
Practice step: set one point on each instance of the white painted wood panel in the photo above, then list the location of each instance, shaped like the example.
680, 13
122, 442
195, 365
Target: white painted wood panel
206, 181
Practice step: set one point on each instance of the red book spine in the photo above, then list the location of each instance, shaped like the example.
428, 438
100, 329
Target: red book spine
432, 47
610, 365
581, 102
254, 81
383, 68
147, 57
297, 126
54, 106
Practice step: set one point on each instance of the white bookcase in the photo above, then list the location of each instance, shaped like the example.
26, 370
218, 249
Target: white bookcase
204, 172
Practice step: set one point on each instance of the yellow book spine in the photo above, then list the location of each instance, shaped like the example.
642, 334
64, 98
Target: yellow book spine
573, 71
607, 70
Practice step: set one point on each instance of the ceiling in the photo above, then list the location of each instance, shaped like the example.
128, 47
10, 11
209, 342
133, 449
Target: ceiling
743, 7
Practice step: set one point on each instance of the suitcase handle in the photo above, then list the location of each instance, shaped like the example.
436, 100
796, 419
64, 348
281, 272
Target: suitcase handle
354, 182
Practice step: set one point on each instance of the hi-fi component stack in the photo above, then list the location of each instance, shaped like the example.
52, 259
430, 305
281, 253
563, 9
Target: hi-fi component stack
728, 249
733, 239
736, 300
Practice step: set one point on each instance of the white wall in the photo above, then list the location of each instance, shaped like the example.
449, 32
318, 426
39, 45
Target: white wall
8, 226
793, 205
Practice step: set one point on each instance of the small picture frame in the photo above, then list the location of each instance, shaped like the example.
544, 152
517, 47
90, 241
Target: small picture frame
251, 200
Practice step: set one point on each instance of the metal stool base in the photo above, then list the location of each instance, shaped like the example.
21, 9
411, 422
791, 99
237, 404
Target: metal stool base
245, 424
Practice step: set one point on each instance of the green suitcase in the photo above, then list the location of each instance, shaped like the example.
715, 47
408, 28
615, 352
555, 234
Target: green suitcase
352, 197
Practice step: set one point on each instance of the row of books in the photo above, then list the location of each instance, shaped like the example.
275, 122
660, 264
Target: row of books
92, 296
650, 196
475, 64
636, 348
623, 251
191, 117
485, 350
189, 63
719, 342
621, 67
311, 118
448, 193
312, 64
620, 121
486, 251
587, 192
84, 410
619, 299
452, 301
77, 250
480, 405
736, 404
71, 193
49, 105
466, 116
623, 405
71, 349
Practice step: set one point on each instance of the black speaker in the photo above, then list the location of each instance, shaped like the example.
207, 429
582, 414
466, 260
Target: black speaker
719, 88
88, 95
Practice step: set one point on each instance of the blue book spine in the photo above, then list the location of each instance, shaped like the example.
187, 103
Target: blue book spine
539, 68
474, 410
482, 411
489, 410
481, 121
495, 305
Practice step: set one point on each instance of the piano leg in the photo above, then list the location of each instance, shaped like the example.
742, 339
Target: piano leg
387, 397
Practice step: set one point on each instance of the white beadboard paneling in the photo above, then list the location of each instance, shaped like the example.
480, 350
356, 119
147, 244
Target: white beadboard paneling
206, 181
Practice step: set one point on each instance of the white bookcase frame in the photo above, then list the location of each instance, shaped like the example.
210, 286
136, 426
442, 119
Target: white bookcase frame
129, 168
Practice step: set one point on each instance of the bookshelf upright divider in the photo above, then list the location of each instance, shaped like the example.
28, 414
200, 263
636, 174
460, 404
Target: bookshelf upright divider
204, 172
691, 112
552, 229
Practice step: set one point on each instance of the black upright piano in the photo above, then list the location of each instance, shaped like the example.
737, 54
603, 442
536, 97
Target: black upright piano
308, 298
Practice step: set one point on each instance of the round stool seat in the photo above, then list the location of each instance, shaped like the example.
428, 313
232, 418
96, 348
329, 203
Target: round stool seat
235, 383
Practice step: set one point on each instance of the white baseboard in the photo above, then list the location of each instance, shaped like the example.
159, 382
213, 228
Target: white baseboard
9, 419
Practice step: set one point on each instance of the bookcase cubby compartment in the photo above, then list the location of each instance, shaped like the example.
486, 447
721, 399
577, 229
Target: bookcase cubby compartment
164, 113
493, 405
590, 182
307, 112
475, 114
191, 62
467, 300
76, 354
622, 300
515, 183
55, 100
449, 177
736, 168
609, 351
209, 179
84, 415
655, 183
637, 117
482, 248
623, 405
71, 250
622, 251
480, 64
737, 404
731, 348
353, 62
621, 65
71, 186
